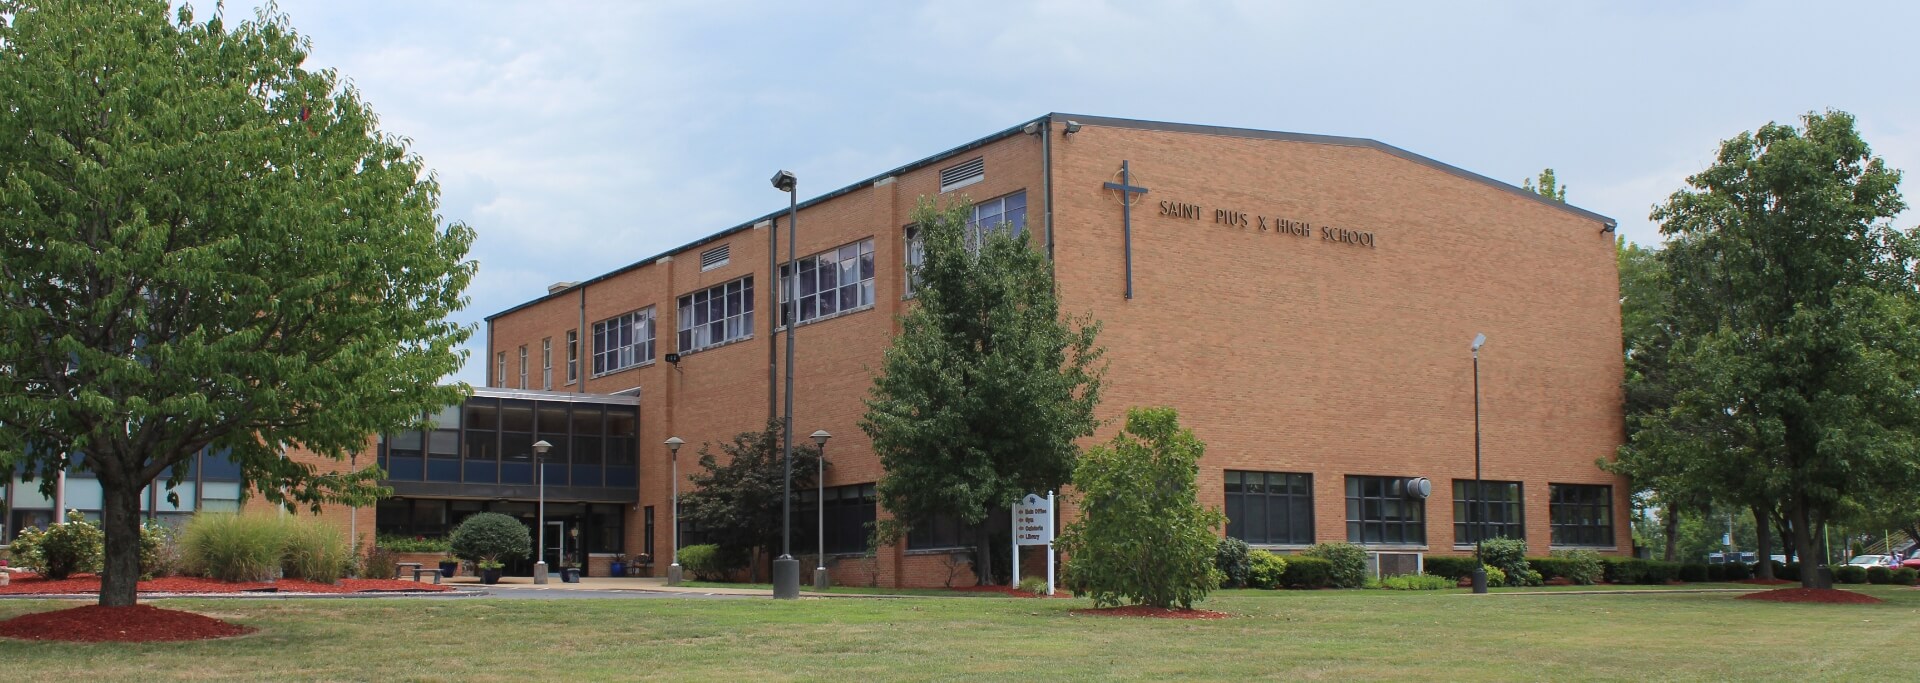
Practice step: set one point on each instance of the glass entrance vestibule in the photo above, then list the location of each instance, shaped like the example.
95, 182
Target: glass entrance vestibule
478, 456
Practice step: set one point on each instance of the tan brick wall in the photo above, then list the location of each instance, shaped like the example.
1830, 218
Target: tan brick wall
1283, 353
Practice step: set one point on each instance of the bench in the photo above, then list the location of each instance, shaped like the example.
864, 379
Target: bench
418, 570
401, 568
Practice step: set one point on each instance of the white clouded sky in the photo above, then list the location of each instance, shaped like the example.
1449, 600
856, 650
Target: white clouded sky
578, 137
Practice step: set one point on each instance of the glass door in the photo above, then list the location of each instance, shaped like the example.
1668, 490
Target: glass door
556, 549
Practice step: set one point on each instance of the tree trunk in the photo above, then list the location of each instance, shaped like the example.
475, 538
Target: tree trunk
1673, 532
120, 520
1811, 575
1763, 564
983, 554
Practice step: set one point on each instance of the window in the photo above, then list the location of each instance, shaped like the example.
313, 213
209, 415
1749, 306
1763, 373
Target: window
1504, 518
831, 282
943, 531
963, 174
546, 364
1008, 210
849, 512
716, 315
623, 342
500, 370
1581, 514
523, 366
1379, 511
1270, 507
573, 356
715, 257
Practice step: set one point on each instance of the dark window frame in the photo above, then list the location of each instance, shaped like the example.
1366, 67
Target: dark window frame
1506, 511
1258, 528
1394, 520
1581, 515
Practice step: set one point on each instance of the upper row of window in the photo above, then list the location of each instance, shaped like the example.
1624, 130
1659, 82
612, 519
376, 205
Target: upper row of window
830, 283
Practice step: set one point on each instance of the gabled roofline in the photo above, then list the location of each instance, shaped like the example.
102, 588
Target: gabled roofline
1137, 124
905, 168
1257, 134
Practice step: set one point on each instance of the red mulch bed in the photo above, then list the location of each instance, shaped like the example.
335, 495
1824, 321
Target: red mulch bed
1153, 612
135, 624
29, 584
1819, 595
1766, 582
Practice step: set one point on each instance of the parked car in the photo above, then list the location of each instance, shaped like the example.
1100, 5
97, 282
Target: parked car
1911, 562
1872, 561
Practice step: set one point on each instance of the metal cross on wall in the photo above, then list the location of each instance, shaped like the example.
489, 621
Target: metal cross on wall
1127, 190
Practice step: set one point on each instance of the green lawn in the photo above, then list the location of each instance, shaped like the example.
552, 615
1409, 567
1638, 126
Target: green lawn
1324, 635
842, 590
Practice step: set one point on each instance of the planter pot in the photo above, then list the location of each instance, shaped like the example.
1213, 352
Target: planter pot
490, 576
617, 569
570, 575
449, 568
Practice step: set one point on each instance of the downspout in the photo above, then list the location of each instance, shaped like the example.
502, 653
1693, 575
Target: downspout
486, 358
1046, 180
580, 343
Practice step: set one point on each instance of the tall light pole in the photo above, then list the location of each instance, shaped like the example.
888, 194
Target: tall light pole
786, 570
1479, 487
540, 476
673, 455
820, 581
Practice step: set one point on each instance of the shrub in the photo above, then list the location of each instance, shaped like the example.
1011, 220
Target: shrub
62, 550
1452, 567
414, 544
1905, 576
1624, 570
1510, 555
1789, 571
709, 562
159, 556
1266, 570
1879, 575
1737, 571
1661, 572
491, 537
1847, 573
1579, 567
1693, 573
315, 551
1230, 557
379, 564
1143, 535
1495, 577
233, 547
1308, 572
1417, 582
1033, 585
1349, 562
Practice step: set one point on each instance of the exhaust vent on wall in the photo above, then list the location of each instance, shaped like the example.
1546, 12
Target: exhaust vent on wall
715, 257
964, 174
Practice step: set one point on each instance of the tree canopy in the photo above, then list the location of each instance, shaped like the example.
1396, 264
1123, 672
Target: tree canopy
205, 244
983, 394
1792, 331
1548, 187
737, 504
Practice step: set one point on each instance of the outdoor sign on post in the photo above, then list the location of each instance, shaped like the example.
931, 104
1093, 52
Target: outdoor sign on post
1033, 525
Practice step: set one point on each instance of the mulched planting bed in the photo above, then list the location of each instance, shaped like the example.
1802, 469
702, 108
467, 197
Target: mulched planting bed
135, 624
29, 584
1013, 592
1819, 595
1153, 612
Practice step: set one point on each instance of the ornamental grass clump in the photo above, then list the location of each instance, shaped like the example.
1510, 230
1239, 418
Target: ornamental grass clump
315, 551
234, 547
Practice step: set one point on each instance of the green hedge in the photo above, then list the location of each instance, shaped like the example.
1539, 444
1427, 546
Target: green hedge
1694, 573
1417, 582
1305, 572
709, 562
1906, 576
1847, 573
1266, 570
1879, 575
1451, 566
1349, 562
1736, 571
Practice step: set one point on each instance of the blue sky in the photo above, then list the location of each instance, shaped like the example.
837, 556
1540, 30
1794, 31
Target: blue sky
577, 137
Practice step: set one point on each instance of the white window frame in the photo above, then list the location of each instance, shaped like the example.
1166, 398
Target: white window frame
500, 369
546, 364
573, 356
641, 327
523, 366
861, 252
695, 329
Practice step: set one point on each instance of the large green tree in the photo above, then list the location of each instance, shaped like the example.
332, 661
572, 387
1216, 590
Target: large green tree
205, 244
737, 504
1802, 335
983, 394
